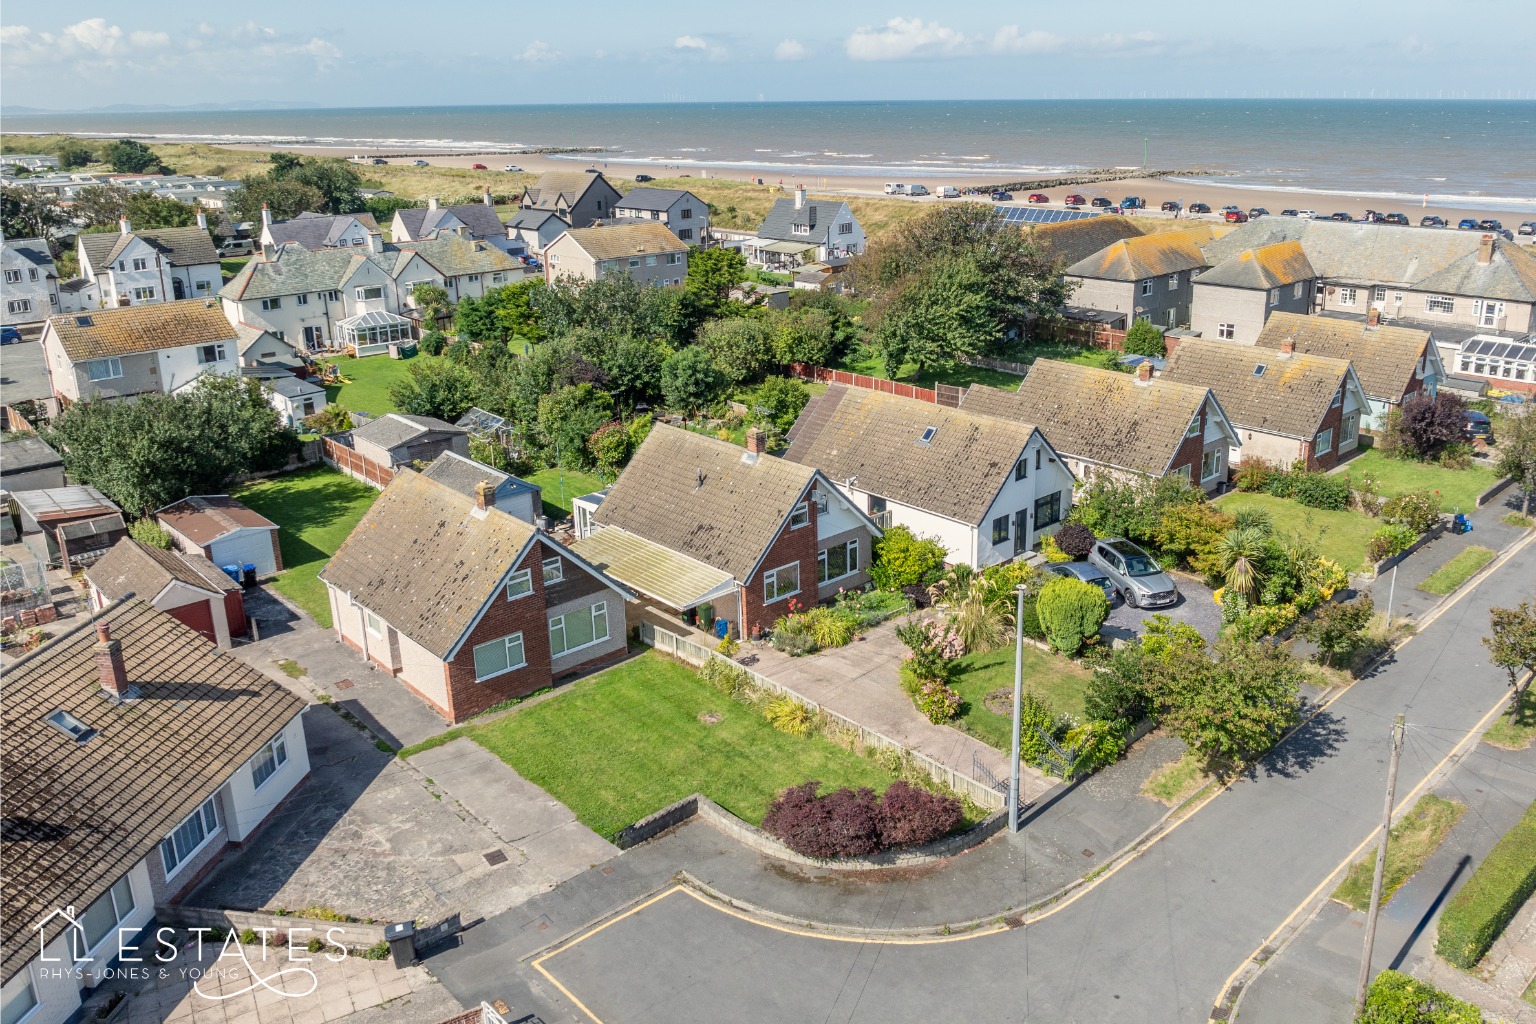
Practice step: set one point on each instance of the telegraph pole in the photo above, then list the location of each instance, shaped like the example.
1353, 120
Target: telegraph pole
1381, 864
1018, 699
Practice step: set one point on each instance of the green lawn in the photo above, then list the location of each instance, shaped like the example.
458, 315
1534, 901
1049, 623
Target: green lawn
371, 379
625, 743
866, 360
1341, 536
1457, 571
1412, 841
562, 485
314, 510
229, 268
1458, 488
1518, 732
1053, 677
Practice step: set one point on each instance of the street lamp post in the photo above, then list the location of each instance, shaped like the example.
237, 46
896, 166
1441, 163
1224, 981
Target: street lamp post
1018, 700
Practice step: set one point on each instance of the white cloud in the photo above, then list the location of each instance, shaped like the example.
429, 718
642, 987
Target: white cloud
93, 48
903, 38
538, 52
791, 49
690, 43
92, 38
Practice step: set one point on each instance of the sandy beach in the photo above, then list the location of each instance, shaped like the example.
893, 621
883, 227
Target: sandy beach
1154, 190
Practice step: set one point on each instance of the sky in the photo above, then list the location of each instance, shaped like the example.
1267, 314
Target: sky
389, 53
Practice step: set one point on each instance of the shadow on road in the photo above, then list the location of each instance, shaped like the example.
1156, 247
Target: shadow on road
1303, 750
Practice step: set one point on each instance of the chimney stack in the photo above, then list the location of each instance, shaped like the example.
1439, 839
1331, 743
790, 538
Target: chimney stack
109, 663
1373, 317
1288, 347
266, 216
757, 441
488, 200
1144, 371
485, 495
799, 197
432, 202
123, 225
1485, 250
202, 220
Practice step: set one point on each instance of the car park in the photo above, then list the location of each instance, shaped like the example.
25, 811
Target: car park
1133, 203
1257, 212
1235, 217
999, 196
1199, 208
1136, 574
1527, 228
1342, 217
1307, 214
1431, 222
1100, 203
917, 190
1170, 206
1468, 224
1290, 213
1039, 197
1075, 200
1476, 424
1087, 572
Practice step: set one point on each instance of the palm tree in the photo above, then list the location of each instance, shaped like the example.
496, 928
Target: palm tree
1241, 549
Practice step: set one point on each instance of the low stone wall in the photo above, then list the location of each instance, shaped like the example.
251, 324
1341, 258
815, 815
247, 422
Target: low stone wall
652, 826
1494, 491
1391, 560
354, 935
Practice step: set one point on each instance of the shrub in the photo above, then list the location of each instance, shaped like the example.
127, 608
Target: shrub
1097, 744
728, 646
1051, 551
1456, 456
377, 951
150, 533
788, 715
1259, 621
1075, 539
938, 702
1389, 540
433, 342
1071, 612
1191, 535
1162, 637
910, 815
1418, 511
1118, 693
1478, 914
843, 823
1338, 630
1320, 490
1426, 426
1145, 339
1252, 474
1032, 627
333, 419
1395, 998
248, 937
831, 627
902, 559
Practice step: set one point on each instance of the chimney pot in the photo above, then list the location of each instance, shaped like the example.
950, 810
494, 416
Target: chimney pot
485, 495
266, 215
202, 221
110, 670
1288, 346
432, 202
756, 441
488, 200
1144, 370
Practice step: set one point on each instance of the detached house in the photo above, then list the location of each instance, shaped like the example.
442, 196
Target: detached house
1233, 300
1148, 277
1392, 362
577, 197
988, 489
466, 605
799, 230
707, 530
135, 753
643, 250
464, 267
1116, 425
1287, 407
683, 213
477, 222
322, 231
116, 353
136, 268
31, 290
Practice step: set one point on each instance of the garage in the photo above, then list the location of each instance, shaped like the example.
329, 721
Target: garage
224, 531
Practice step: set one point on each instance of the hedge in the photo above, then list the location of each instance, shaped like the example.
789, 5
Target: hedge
1499, 887
1396, 998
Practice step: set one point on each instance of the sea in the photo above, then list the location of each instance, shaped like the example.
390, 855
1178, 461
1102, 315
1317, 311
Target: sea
1455, 152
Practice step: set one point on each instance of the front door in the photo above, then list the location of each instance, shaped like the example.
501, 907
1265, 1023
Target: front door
1021, 531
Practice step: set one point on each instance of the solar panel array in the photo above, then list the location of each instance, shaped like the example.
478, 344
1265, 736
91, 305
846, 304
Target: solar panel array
1039, 215
1498, 348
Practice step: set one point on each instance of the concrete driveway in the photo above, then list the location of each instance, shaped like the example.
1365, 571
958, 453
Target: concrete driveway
1196, 606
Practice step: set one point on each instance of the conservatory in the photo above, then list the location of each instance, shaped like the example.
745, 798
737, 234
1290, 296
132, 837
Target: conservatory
373, 333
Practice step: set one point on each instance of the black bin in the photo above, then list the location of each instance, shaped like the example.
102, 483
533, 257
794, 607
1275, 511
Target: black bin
402, 943
248, 575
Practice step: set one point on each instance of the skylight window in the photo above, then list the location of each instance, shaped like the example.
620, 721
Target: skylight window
1258, 371
927, 437
84, 321
71, 726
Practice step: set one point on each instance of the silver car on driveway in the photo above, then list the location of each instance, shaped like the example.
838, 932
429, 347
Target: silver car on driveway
1136, 574
1088, 573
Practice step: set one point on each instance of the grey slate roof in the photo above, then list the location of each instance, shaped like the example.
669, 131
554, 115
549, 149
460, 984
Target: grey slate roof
1290, 397
650, 198
1100, 415
453, 470
33, 250
481, 220
702, 497
1384, 357
561, 188
181, 247
453, 256
397, 428
1417, 259
319, 230
294, 269
423, 560
532, 220
854, 432
292, 387
818, 214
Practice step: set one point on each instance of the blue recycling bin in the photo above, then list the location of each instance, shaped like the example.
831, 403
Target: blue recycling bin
232, 571
1462, 524
722, 628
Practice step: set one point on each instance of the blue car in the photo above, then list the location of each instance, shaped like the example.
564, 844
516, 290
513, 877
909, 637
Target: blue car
9, 336
1087, 573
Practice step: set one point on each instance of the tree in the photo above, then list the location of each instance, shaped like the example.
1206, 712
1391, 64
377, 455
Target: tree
1512, 647
1242, 549
150, 533
1517, 455
1145, 339
73, 153
634, 372
158, 449
712, 273
147, 210
1428, 425
779, 401
99, 206
616, 306
940, 316
611, 447
283, 199
741, 346
1071, 612
569, 417
128, 156
435, 387
690, 380
336, 180
25, 213
489, 452
429, 297
1230, 709
807, 336
1338, 629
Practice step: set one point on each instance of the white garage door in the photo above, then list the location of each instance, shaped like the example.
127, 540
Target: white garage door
245, 546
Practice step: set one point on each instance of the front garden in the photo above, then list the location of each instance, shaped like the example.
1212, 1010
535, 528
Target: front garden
1342, 536
1458, 488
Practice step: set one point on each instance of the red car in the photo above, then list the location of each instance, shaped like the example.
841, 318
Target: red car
1039, 197
1236, 217
1075, 200
478, 167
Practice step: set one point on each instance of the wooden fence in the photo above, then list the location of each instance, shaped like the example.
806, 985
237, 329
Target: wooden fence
978, 792
1000, 365
348, 461
859, 380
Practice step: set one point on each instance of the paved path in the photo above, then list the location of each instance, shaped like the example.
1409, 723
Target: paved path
1155, 941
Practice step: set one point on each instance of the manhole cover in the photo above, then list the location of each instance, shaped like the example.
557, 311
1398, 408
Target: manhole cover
344, 684
608, 870
1087, 853
711, 718
495, 857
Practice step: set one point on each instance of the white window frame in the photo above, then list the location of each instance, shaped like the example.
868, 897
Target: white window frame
13, 277
372, 623
554, 570
30, 989
1433, 304
1349, 430
1193, 430
1338, 399
112, 364
362, 290
275, 302
1226, 332
771, 594
140, 263
333, 296
1214, 458
1323, 443
1296, 290
1274, 296
1347, 296
823, 502
634, 262
599, 614
520, 584
144, 292
506, 646
1379, 293
1173, 281
674, 258
270, 759
1146, 287
208, 809
220, 353
850, 561
800, 516
19, 305
650, 261
301, 300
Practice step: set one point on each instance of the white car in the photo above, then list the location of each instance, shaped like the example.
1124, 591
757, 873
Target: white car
512, 169
1307, 214
420, 163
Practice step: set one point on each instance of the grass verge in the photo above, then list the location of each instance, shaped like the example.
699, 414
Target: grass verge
1341, 536
1458, 488
1412, 841
1516, 519
1481, 909
1517, 732
1176, 782
1457, 571
314, 510
624, 743
1055, 678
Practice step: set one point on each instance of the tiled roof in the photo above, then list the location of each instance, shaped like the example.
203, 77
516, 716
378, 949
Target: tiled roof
80, 815
1385, 357
181, 247
627, 239
423, 560
532, 220
817, 214
319, 230
479, 218
559, 188
293, 270
204, 518
1418, 259
453, 256
1268, 266
149, 328
1290, 397
854, 432
650, 198
1104, 416
1134, 259
396, 428
143, 571
705, 498
1074, 240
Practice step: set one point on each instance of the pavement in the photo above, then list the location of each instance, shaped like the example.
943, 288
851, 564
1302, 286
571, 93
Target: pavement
1154, 938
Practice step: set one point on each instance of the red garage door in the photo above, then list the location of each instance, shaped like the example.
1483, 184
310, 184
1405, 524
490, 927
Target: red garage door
197, 615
